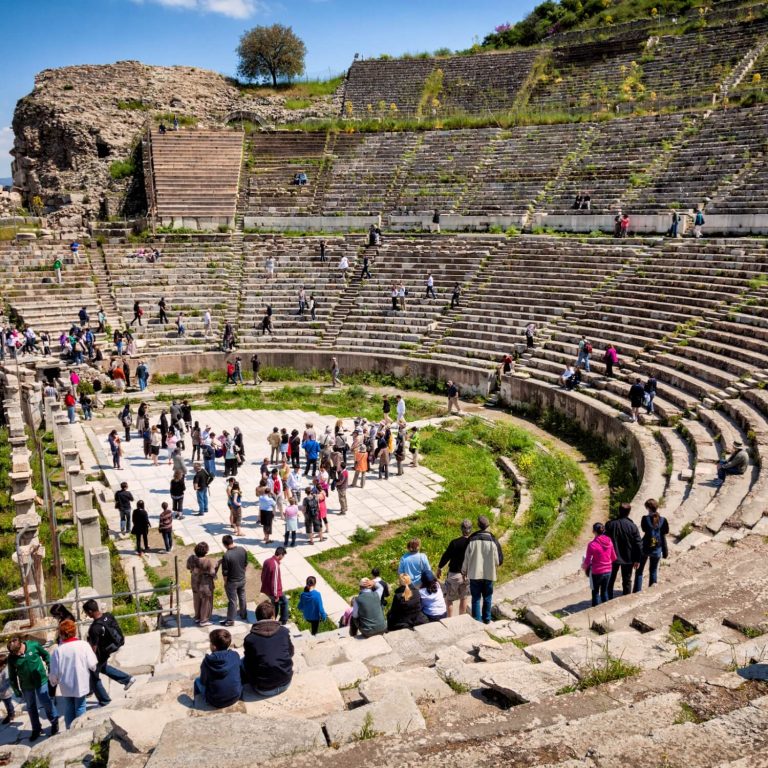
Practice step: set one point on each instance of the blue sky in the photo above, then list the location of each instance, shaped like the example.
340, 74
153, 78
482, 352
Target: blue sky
204, 33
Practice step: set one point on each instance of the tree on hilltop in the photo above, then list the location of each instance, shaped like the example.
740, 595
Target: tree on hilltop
274, 52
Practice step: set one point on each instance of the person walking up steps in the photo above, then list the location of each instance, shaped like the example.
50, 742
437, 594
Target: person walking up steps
655, 530
430, 288
73, 664
105, 638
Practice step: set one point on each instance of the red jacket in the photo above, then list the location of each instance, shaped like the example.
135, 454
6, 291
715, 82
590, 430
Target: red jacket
271, 581
69, 400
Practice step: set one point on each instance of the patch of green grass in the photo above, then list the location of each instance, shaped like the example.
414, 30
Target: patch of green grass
605, 670
297, 103
456, 686
133, 104
345, 402
687, 714
473, 490
367, 730
122, 169
327, 625
362, 535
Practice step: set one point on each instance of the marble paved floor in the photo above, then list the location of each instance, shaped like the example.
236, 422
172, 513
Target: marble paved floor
380, 502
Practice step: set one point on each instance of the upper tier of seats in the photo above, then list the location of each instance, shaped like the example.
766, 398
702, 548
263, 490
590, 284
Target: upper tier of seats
644, 164
472, 84
640, 67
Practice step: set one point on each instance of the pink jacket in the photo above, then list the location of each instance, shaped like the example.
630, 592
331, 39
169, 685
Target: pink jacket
600, 555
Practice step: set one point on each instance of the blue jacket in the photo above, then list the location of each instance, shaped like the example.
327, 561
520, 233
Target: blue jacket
311, 605
220, 675
312, 448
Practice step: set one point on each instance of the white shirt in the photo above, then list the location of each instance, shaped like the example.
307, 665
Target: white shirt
71, 664
400, 408
430, 281
344, 263
432, 603
207, 318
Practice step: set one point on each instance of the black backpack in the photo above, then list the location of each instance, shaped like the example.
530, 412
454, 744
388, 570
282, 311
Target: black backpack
313, 507
112, 639
384, 591
209, 452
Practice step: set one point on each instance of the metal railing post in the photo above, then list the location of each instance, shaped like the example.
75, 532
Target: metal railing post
136, 601
178, 595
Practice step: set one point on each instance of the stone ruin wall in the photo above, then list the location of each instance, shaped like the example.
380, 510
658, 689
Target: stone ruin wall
70, 128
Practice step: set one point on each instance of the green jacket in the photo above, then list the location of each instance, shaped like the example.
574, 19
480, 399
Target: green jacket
29, 671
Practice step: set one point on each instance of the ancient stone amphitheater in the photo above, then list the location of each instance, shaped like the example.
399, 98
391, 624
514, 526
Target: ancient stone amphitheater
690, 311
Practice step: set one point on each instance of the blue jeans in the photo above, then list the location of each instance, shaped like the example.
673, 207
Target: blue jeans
281, 606
71, 413
73, 706
113, 673
9, 708
481, 589
583, 358
600, 587
39, 698
653, 571
125, 521
202, 501
210, 466
722, 472
142, 385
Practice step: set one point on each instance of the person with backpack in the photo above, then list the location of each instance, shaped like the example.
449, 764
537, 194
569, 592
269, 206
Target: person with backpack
312, 522
585, 350
209, 458
650, 393
105, 638
698, 223
655, 530
627, 544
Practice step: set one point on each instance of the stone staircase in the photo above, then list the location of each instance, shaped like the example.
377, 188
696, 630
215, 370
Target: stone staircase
522, 685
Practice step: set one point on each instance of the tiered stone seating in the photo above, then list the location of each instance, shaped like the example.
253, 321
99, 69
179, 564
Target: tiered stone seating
364, 182
721, 160
297, 265
196, 174
193, 274
497, 687
371, 324
273, 159
471, 84
30, 287
442, 169
618, 151
517, 164
528, 279
685, 69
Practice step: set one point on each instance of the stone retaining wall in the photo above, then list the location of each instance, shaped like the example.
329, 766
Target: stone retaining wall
470, 381
310, 223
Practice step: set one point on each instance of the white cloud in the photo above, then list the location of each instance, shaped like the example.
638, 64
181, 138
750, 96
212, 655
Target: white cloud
236, 9
6, 143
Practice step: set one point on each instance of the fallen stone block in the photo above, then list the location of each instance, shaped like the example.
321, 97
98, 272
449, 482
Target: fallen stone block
139, 730
361, 648
349, 673
314, 693
461, 625
422, 684
119, 757
542, 619
395, 714
522, 682
140, 654
457, 669
491, 652
221, 738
